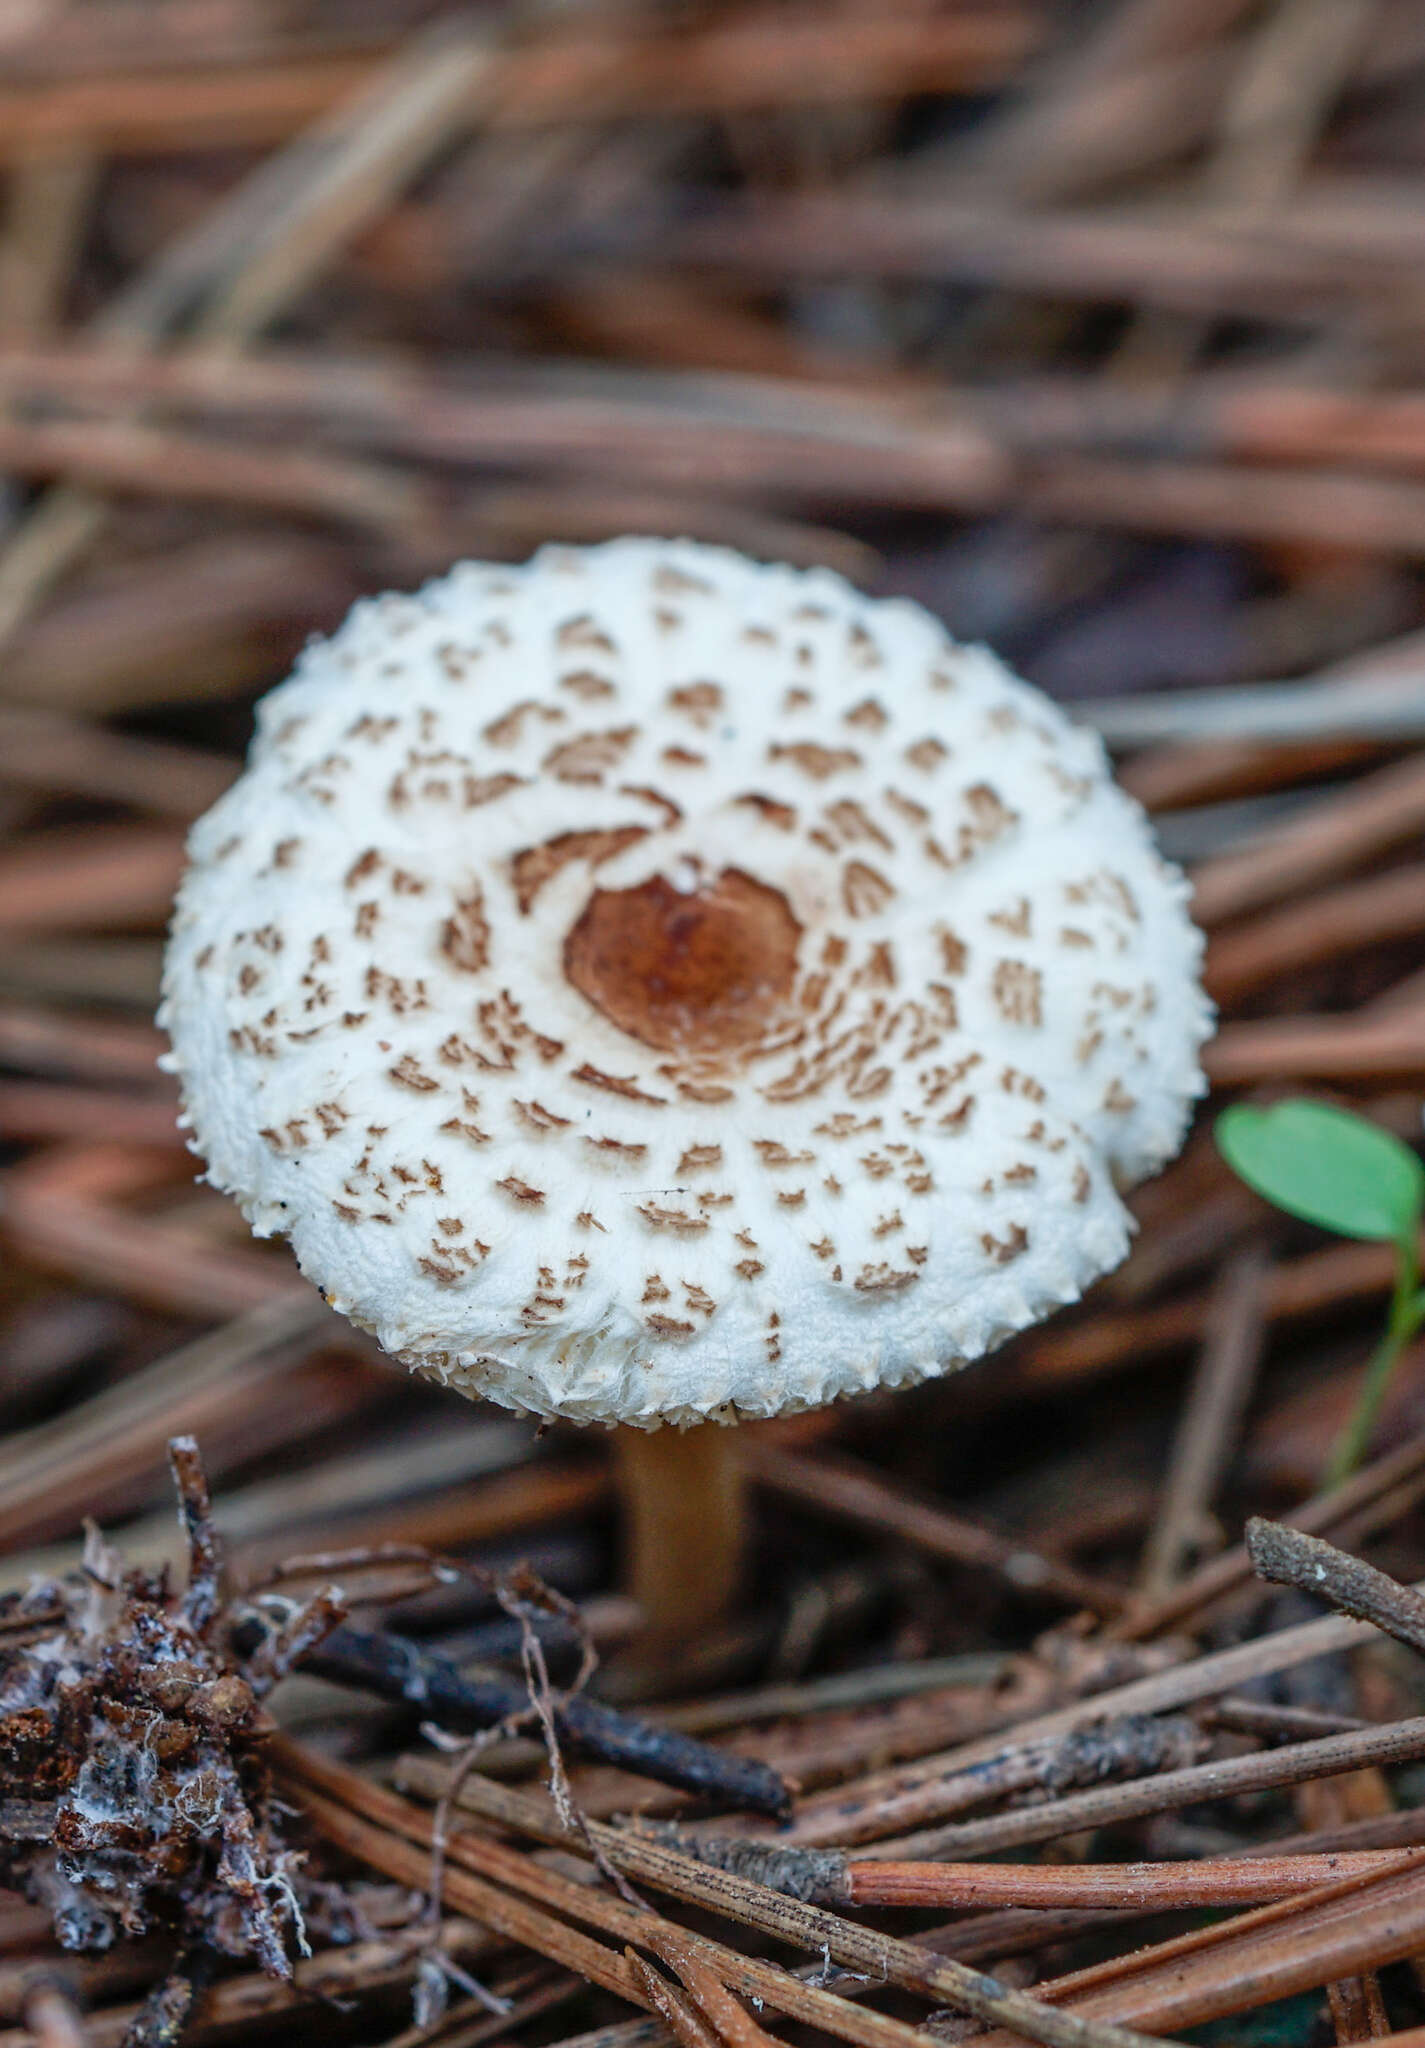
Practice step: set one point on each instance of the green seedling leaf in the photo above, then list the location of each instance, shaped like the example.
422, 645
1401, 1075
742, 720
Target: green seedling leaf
1326, 1166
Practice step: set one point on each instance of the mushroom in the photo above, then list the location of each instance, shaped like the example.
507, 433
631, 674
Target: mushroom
653, 988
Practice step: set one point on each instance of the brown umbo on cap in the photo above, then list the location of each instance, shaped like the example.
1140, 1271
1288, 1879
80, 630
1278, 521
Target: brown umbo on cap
648, 985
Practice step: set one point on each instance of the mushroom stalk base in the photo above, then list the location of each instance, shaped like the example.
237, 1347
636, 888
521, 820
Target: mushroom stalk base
683, 1496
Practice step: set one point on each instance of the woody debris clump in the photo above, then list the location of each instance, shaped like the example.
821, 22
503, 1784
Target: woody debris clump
133, 1794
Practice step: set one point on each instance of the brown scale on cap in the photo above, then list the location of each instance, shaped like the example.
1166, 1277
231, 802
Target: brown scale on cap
706, 970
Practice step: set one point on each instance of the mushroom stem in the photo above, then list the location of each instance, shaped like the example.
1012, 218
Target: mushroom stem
684, 1507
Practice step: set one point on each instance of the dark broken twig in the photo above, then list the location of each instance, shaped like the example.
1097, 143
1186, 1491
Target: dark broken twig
1294, 1763
1117, 1747
1288, 1557
402, 1671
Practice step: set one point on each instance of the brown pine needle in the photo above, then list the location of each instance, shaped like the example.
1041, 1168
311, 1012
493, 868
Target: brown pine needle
665, 1998
1222, 1881
338, 1794
733, 2023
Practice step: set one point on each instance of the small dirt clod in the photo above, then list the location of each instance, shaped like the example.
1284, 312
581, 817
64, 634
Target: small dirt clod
133, 1793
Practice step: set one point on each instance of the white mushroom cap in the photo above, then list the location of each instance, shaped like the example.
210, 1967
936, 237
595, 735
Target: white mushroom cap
648, 985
